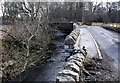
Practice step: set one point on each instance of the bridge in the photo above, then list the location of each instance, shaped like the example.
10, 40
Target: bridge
89, 53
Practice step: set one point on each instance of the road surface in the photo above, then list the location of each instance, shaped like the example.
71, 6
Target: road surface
102, 43
108, 41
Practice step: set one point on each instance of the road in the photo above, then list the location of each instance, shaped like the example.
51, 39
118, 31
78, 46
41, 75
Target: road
108, 41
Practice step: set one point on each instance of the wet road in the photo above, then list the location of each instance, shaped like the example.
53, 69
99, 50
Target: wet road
108, 41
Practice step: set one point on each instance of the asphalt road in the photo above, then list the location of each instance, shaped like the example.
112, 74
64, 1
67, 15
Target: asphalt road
108, 41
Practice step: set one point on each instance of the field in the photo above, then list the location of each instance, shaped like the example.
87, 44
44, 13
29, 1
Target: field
115, 25
110, 26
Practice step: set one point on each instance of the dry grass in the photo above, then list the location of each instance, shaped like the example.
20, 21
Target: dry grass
115, 25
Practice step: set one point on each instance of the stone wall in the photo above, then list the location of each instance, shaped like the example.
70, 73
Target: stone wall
74, 65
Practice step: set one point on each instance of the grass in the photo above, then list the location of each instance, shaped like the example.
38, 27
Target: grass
115, 25
110, 26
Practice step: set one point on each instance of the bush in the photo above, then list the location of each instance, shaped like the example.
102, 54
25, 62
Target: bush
24, 44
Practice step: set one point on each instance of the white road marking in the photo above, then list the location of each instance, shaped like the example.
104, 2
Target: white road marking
98, 50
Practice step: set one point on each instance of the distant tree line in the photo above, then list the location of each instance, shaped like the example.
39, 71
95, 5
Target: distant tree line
107, 12
63, 11
54, 11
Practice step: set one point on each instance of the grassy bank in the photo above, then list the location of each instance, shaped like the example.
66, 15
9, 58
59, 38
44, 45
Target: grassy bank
110, 26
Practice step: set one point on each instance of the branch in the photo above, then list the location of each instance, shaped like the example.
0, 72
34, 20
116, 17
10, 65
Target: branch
95, 7
37, 10
8, 34
26, 7
33, 35
13, 37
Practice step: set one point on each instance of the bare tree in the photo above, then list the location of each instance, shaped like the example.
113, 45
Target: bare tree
29, 35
